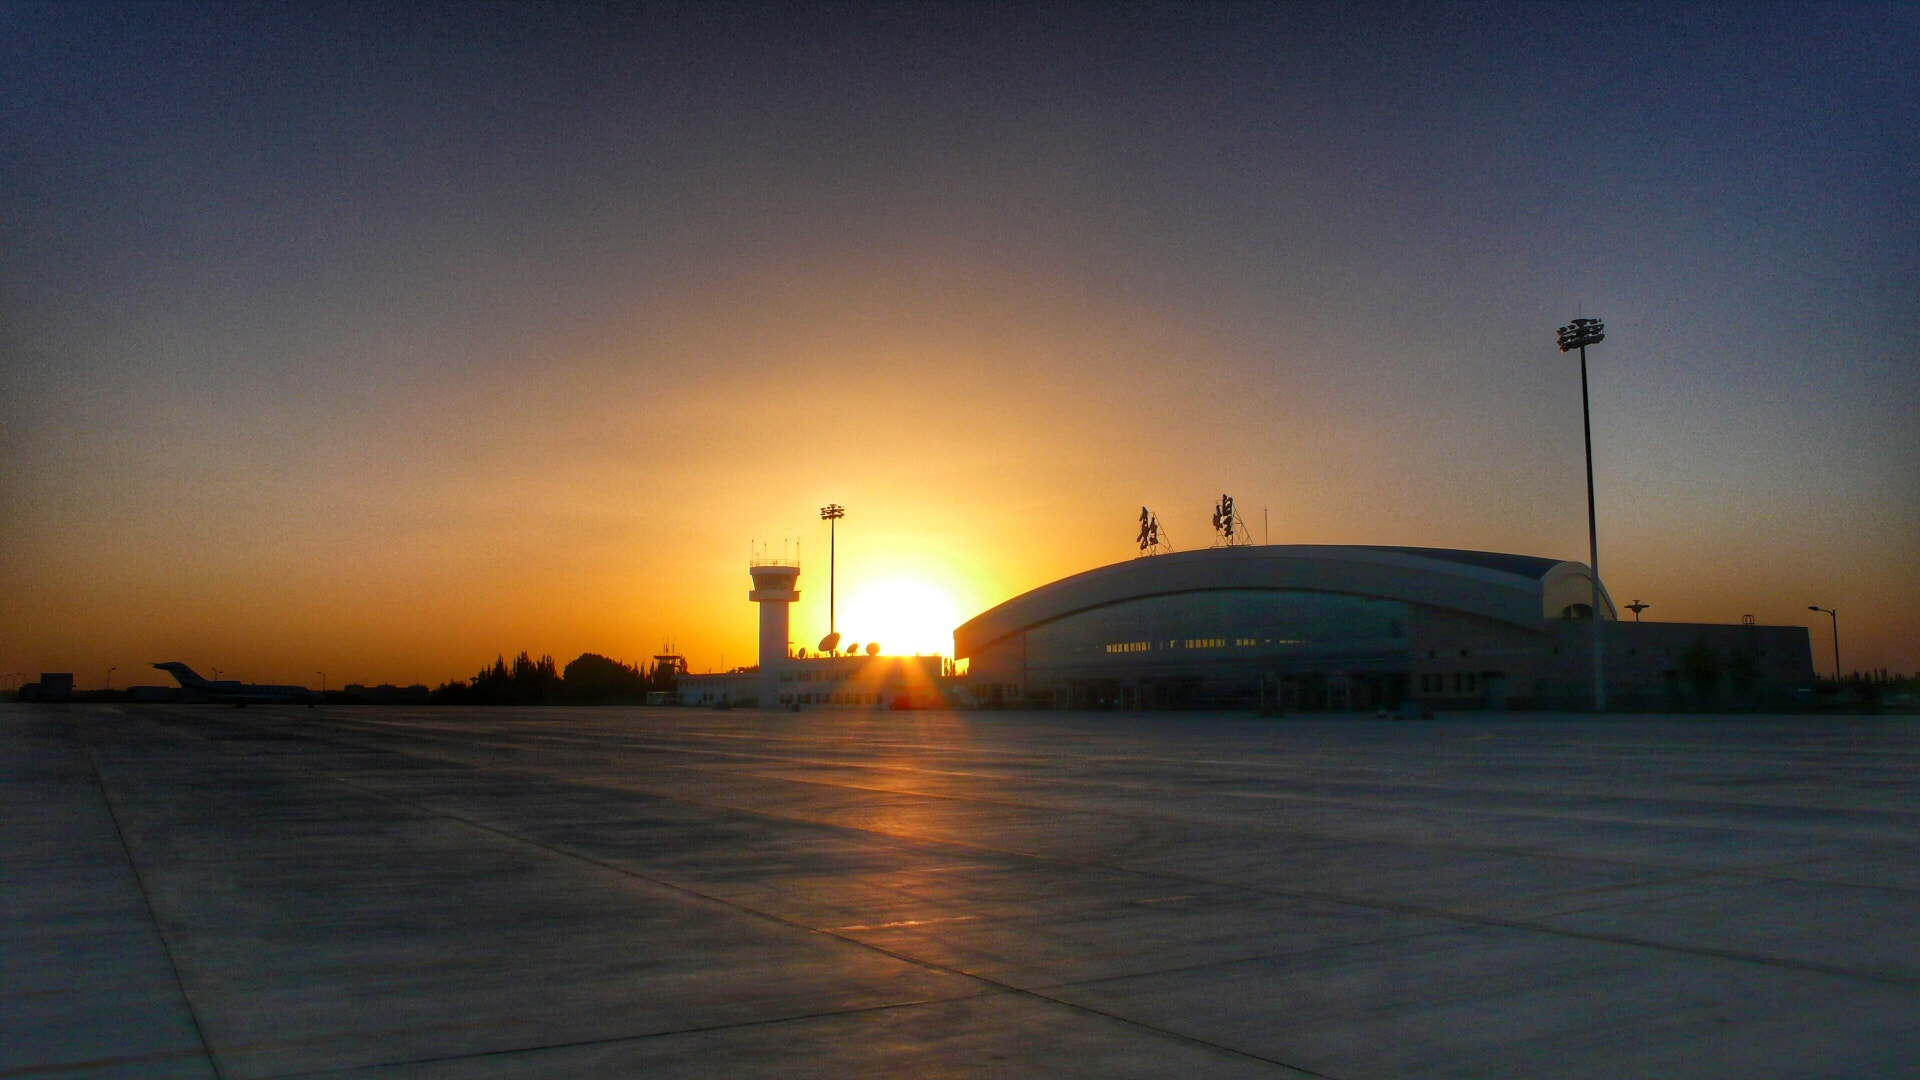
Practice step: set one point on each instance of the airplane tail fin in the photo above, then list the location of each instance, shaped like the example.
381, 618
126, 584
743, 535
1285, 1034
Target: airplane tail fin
182, 674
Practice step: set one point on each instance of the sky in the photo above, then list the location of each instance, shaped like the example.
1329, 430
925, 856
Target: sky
378, 340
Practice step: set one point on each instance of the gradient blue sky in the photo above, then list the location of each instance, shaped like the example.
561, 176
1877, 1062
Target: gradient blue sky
382, 338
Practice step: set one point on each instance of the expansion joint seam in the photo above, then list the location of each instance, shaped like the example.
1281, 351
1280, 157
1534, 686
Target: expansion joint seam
146, 902
1468, 917
767, 916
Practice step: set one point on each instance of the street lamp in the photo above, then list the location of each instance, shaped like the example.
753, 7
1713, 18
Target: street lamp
831, 513
110, 672
1836, 639
1579, 334
1637, 607
323, 679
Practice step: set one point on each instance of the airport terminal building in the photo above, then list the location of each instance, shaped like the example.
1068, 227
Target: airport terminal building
1356, 627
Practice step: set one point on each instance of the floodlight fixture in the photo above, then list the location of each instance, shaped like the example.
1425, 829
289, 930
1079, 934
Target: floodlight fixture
1581, 333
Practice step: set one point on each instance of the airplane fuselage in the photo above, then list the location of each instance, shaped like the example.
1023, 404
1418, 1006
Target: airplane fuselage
236, 692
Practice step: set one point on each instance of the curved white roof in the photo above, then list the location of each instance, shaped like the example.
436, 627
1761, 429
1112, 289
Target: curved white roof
1520, 589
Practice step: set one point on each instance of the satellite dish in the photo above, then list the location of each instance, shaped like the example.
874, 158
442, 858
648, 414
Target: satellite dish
830, 642
873, 648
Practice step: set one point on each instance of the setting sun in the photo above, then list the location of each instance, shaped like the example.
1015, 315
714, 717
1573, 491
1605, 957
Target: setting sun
903, 617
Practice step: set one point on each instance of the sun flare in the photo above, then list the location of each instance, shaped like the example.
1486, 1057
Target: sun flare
902, 616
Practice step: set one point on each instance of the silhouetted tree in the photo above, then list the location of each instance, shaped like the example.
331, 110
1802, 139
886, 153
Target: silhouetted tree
533, 680
592, 677
526, 682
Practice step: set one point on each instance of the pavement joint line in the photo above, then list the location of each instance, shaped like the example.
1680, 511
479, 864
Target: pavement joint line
1737, 955
146, 903
1744, 956
1002, 987
507, 1051
1328, 946
1317, 798
866, 767
1616, 722
96, 1064
1236, 764
1316, 835
795, 924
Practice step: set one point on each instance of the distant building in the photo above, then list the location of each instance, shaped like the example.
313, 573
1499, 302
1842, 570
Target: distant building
53, 686
836, 682
784, 679
863, 682
1351, 627
726, 688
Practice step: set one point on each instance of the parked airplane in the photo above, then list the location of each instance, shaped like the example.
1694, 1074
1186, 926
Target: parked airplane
235, 691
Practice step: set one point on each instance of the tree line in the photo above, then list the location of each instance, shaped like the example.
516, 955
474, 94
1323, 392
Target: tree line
589, 679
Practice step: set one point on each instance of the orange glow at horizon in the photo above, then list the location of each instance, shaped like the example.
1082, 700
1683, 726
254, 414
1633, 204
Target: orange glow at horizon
607, 504
384, 367
902, 616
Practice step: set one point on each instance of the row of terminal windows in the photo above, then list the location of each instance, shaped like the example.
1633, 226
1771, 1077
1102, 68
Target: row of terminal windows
1200, 643
1464, 682
832, 699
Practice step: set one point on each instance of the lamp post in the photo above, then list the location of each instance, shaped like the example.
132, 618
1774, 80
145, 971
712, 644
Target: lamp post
1579, 334
1637, 607
110, 672
1836, 639
831, 513
323, 679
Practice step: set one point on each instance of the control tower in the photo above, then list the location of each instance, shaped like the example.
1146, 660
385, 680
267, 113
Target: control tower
773, 590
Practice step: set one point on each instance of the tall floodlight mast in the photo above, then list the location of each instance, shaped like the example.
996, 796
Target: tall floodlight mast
1836, 638
831, 513
1579, 334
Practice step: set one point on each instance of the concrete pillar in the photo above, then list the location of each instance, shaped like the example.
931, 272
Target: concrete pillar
773, 590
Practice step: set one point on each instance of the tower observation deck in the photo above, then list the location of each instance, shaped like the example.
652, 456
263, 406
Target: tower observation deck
774, 591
